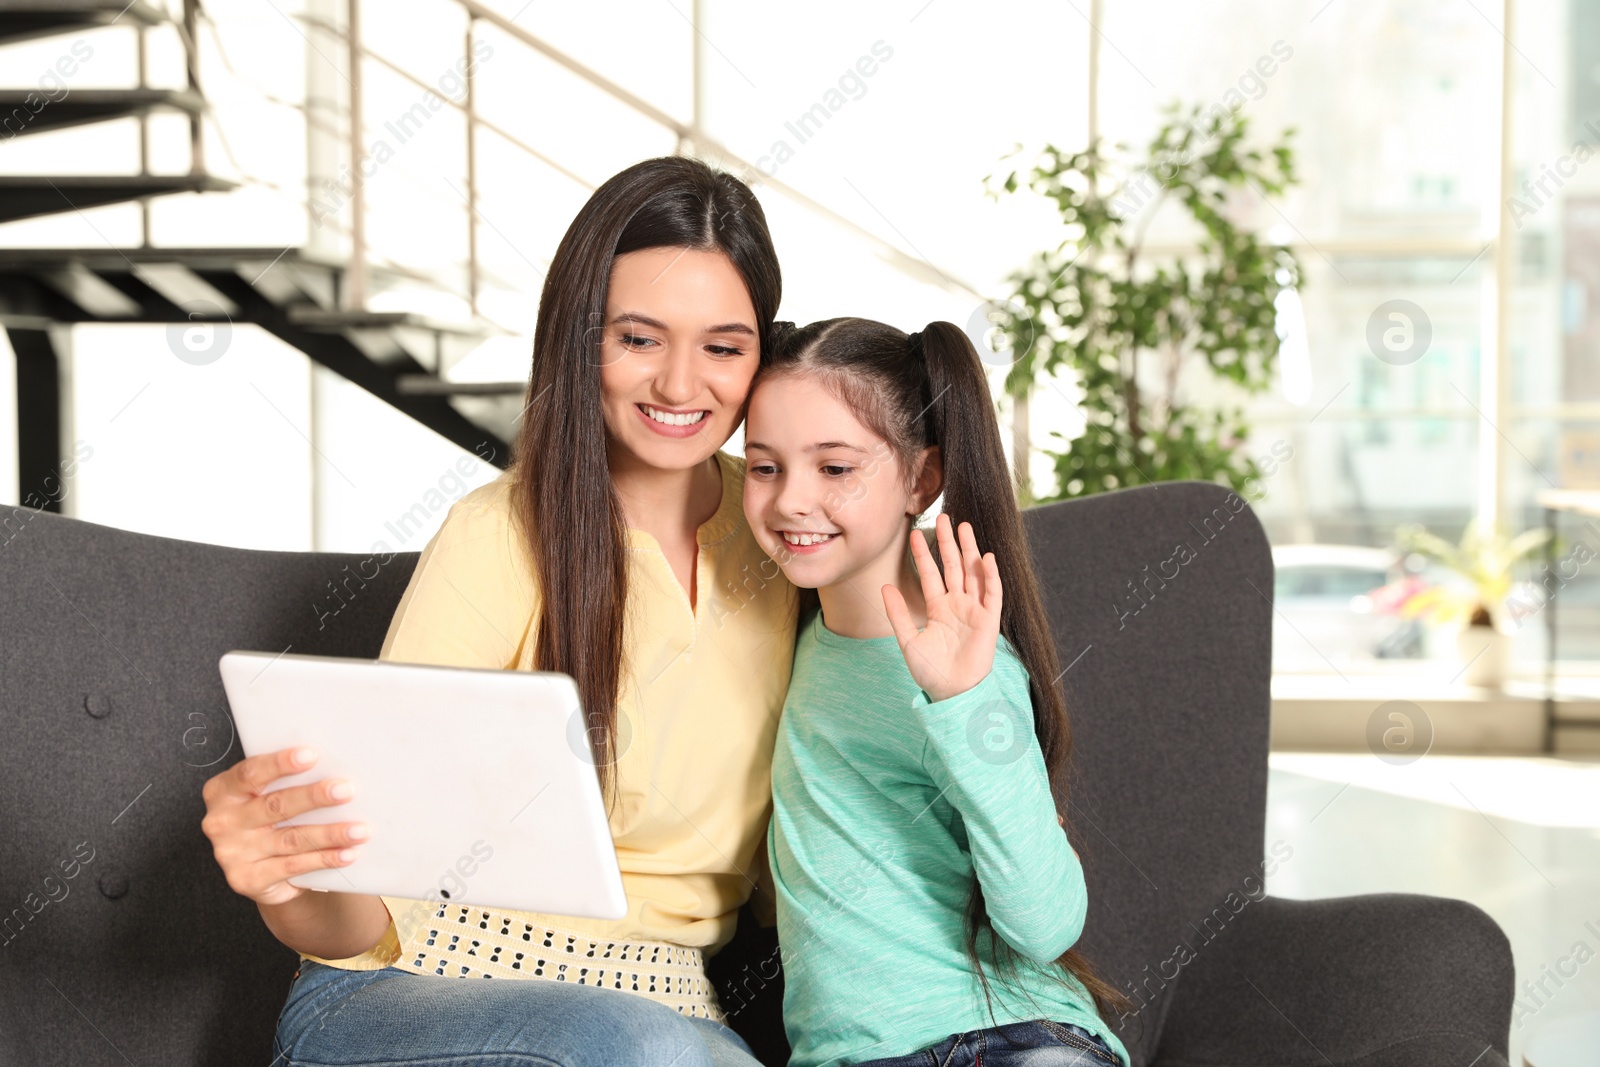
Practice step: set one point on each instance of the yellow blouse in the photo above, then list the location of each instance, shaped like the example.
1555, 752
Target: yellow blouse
698, 709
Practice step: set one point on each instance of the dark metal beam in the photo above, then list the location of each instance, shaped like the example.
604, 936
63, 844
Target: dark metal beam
39, 483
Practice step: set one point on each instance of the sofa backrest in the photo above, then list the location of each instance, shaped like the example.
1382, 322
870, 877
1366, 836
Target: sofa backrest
121, 941
1160, 600
119, 936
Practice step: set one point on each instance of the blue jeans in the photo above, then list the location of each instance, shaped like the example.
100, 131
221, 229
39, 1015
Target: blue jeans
1040, 1043
391, 1017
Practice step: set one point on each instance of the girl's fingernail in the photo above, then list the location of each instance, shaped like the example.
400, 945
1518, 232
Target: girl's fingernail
359, 832
304, 756
342, 791
346, 855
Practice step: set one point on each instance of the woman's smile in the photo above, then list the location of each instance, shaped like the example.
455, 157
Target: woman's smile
673, 422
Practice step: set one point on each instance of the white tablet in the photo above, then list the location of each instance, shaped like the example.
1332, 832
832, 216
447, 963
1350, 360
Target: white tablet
479, 785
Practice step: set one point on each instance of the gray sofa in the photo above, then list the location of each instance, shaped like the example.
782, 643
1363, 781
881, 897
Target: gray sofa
122, 944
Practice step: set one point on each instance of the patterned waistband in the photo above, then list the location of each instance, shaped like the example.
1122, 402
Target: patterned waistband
464, 941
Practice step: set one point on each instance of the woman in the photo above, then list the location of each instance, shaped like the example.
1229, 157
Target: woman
614, 550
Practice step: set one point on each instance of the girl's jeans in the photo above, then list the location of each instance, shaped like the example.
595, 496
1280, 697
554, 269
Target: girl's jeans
1031, 1044
393, 1017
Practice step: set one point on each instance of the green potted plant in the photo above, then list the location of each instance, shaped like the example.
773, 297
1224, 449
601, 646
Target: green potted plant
1483, 560
1128, 322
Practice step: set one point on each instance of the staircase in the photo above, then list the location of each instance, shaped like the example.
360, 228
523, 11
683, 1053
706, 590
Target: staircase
319, 305
294, 294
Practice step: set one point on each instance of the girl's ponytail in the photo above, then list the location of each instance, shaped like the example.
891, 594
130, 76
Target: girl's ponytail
978, 490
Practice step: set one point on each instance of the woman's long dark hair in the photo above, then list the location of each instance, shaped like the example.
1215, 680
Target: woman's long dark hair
929, 389
570, 512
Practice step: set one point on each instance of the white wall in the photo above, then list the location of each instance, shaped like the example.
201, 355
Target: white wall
212, 453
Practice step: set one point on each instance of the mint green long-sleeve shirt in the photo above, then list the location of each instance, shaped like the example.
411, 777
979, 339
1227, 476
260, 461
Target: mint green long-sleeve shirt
884, 806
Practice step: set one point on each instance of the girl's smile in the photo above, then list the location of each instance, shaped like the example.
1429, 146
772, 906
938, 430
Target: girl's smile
801, 541
829, 501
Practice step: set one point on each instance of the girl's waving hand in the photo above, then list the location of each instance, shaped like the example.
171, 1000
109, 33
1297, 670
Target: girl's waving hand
955, 651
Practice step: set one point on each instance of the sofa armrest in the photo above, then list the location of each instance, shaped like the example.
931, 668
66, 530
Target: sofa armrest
1389, 980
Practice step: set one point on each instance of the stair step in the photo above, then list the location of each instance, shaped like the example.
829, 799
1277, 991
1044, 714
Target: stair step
182, 287
22, 20
82, 106
97, 297
326, 320
105, 257
431, 385
24, 196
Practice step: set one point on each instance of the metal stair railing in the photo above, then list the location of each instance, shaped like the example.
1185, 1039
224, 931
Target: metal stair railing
692, 139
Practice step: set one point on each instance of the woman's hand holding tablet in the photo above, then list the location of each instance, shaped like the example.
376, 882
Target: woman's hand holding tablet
257, 855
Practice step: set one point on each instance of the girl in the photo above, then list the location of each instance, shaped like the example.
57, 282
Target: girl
916, 844
613, 550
